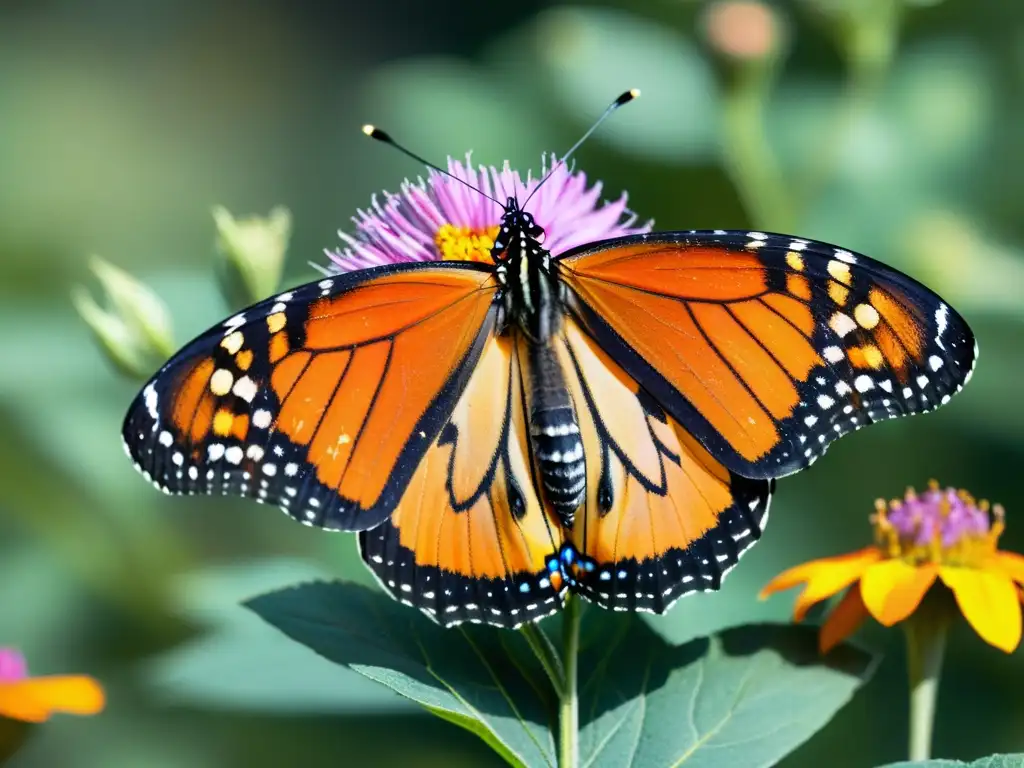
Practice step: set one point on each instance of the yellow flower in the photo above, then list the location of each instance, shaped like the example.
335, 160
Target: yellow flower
34, 699
941, 534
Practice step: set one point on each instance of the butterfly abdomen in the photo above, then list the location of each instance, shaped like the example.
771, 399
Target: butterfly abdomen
556, 435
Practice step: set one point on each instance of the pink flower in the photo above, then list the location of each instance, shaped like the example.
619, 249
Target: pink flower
34, 699
441, 219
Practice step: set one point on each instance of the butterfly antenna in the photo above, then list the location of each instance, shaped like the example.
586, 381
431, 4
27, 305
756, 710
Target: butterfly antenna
625, 98
376, 133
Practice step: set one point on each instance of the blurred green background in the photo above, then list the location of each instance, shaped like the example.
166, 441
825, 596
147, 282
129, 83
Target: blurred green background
891, 127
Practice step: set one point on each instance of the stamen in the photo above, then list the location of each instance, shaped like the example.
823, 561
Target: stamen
465, 244
944, 526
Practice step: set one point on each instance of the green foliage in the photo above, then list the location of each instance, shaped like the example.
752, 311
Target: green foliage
747, 696
120, 132
13, 735
241, 663
993, 761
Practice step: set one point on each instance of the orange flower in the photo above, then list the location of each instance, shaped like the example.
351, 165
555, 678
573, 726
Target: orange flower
34, 699
942, 534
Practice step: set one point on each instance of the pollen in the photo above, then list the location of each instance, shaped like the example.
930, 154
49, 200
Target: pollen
465, 244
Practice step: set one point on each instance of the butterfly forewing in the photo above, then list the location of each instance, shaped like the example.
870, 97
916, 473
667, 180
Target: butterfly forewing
321, 400
766, 347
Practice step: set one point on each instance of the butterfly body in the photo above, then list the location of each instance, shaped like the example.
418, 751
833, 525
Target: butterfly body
532, 298
609, 420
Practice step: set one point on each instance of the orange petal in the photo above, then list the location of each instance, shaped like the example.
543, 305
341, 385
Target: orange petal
824, 578
34, 699
893, 589
1012, 565
989, 602
843, 621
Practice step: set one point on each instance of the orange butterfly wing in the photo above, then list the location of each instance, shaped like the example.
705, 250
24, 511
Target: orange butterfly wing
470, 539
322, 400
766, 347
662, 518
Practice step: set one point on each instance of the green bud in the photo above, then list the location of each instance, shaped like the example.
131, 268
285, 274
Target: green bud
134, 328
252, 251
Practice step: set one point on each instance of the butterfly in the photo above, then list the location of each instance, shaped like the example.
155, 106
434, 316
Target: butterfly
608, 421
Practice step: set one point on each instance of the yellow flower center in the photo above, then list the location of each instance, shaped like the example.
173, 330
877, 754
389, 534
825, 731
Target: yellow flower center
465, 244
937, 529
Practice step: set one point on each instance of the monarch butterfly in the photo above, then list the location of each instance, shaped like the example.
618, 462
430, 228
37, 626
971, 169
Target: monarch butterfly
607, 419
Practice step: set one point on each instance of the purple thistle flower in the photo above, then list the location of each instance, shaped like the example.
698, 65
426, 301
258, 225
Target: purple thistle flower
441, 219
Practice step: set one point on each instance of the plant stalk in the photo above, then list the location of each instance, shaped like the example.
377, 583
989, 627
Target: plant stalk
747, 156
568, 716
926, 633
546, 654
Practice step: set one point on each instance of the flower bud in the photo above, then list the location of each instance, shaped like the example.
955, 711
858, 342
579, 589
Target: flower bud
253, 251
744, 30
134, 328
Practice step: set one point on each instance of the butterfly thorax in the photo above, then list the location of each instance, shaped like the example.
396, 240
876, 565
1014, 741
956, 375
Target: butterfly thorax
533, 304
531, 292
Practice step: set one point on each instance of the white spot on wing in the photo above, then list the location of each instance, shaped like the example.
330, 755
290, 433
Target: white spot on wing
833, 354
863, 383
245, 388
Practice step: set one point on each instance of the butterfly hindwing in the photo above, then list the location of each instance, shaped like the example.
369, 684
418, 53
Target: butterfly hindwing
767, 347
470, 540
321, 400
662, 518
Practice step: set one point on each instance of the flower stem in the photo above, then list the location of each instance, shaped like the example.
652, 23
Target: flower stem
546, 654
926, 634
747, 157
568, 716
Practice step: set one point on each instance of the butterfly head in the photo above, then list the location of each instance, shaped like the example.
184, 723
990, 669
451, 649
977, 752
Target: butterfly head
519, 234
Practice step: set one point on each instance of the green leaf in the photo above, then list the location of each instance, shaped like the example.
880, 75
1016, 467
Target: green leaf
745, 697
13, 735
241, 664
463, 674
992, 761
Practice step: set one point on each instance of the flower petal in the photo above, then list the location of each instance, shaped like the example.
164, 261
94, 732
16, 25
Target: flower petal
1012, 565
35, 699
843, 621
893, 589
989, 602
824, 577
12, 665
